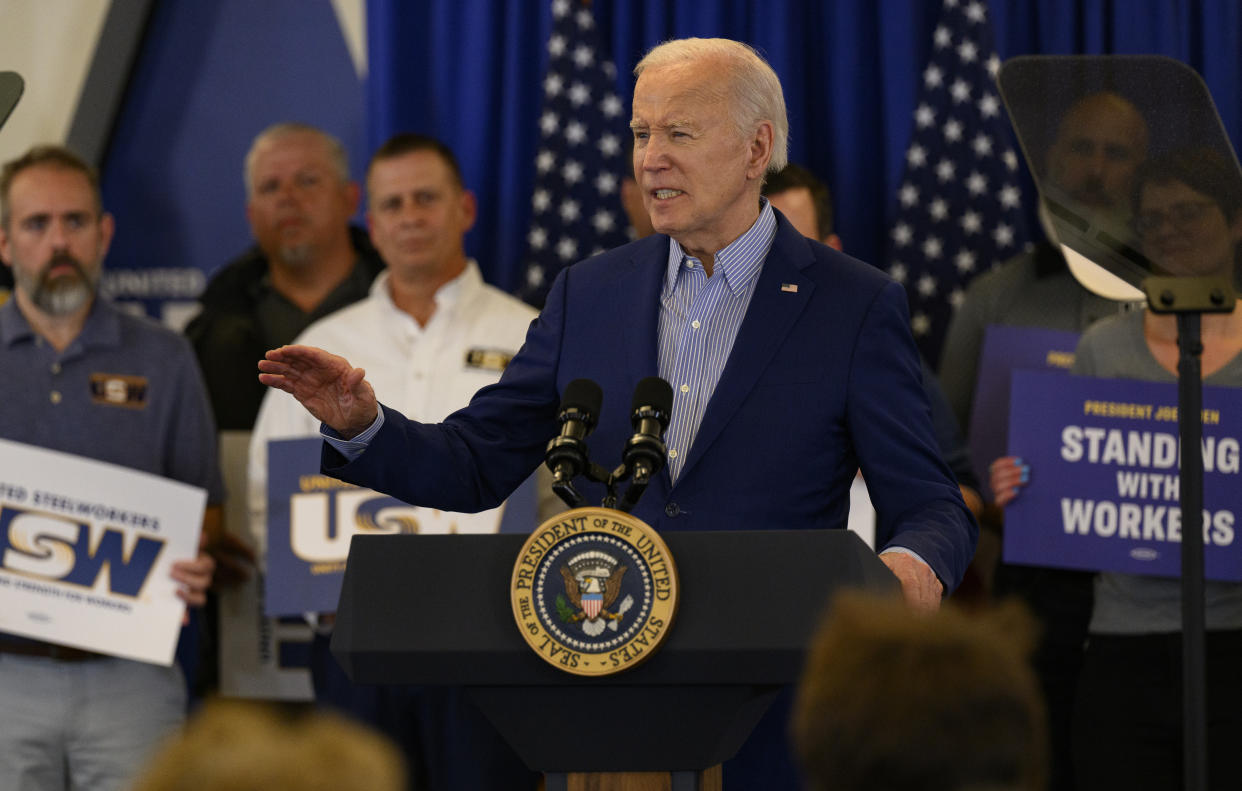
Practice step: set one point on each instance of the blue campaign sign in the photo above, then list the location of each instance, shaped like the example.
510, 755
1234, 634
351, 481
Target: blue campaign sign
1103, 493
307, 545
1005, 350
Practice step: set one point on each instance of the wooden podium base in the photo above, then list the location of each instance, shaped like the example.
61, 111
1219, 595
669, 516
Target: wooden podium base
707, 780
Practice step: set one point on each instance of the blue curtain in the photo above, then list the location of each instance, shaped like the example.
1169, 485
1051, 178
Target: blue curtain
470, 72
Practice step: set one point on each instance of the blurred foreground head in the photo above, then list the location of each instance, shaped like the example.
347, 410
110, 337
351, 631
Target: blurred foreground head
249, 747
893, 700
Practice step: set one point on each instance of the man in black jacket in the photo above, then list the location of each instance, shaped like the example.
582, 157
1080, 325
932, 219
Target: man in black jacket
307, 262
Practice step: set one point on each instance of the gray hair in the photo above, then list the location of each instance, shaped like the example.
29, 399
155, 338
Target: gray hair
336, 151
755, 88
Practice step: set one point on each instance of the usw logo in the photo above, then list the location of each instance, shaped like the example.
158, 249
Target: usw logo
58, 548
322, 524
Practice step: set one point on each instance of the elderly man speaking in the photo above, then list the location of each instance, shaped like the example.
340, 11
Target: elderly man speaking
792, 365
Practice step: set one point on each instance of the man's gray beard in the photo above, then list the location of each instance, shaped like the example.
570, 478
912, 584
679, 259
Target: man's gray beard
296, 256
59, 297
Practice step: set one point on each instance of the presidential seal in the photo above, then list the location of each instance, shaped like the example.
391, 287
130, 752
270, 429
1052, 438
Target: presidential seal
594, 591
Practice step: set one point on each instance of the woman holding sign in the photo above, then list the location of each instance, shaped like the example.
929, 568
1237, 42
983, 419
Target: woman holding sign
1128, 716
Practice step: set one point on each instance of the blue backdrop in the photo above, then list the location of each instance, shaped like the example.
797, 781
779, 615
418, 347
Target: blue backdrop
211, 75
470, 71
208, 78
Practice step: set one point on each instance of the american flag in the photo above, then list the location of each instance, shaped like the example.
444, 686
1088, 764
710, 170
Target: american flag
576, 202
959, 206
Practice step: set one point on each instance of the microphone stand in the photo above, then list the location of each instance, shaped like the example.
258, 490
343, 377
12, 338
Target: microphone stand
1188, 299
568, 493
635, 490
642, 477
644, 455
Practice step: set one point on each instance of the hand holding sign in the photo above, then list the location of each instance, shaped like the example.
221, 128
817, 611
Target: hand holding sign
194, 578
1005, 476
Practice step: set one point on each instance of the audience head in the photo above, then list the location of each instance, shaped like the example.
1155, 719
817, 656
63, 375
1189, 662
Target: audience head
894, 700
418, 210
53, 230
248, 747
709, 122
404, 143
805, 201
1100, 141
1188, 211
299, 198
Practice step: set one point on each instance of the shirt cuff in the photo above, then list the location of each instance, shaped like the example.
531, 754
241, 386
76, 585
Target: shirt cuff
352, 448
903, 551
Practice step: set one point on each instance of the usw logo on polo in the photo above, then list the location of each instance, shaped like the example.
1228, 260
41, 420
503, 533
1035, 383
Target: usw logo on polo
52, 547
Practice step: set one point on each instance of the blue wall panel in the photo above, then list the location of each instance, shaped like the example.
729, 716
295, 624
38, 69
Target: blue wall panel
209, 77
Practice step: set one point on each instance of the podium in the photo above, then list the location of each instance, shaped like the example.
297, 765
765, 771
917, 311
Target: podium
436, 610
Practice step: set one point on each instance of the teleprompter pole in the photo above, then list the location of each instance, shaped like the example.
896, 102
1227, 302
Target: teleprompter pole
1190, 430
1189, 298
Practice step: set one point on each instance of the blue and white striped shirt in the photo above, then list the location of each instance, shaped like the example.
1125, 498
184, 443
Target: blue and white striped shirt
699, 320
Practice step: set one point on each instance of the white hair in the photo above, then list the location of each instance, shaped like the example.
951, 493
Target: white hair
755, 88
333, 147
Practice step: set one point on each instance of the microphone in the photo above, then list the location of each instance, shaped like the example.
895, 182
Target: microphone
645, 453
566, 455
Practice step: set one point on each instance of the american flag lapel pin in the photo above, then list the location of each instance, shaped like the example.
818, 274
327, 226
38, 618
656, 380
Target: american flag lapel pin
791, 288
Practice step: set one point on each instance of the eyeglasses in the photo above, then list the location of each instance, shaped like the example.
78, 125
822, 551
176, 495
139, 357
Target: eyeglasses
1179, 214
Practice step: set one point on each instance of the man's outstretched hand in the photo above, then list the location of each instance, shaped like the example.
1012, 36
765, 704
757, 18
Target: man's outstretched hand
331, 389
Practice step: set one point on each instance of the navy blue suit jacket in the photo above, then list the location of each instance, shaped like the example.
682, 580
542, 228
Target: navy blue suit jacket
823, 379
